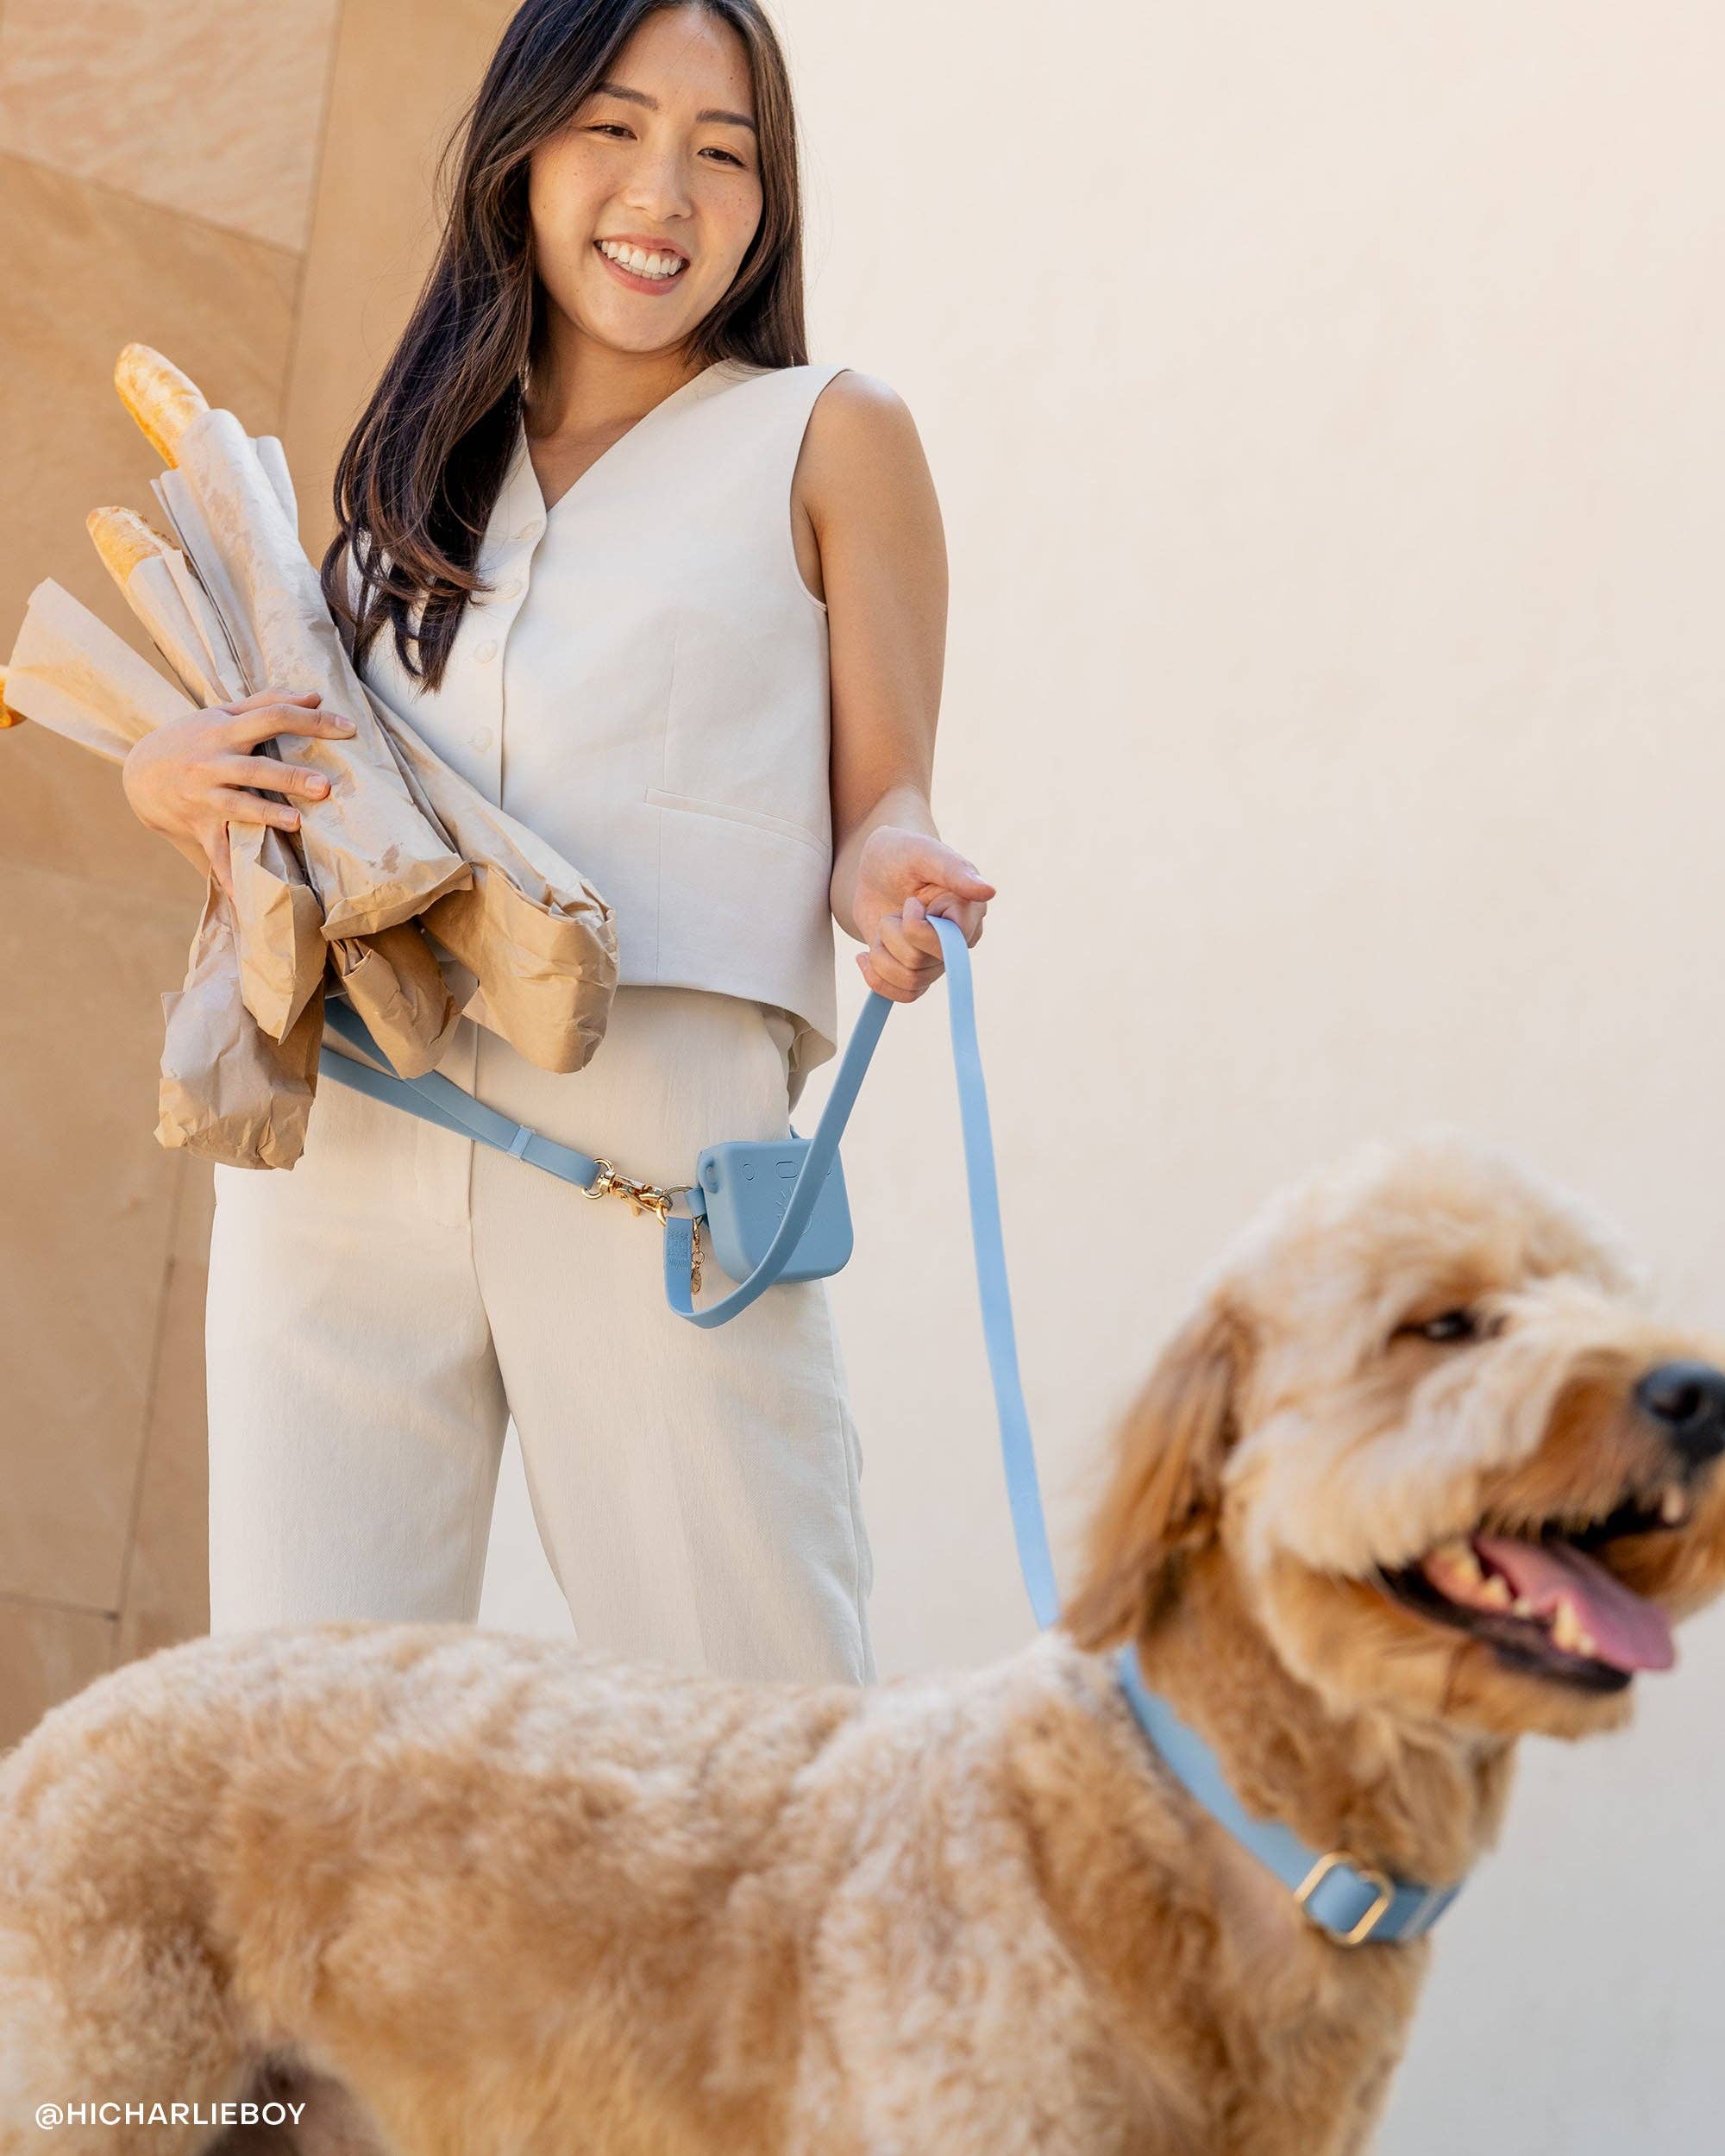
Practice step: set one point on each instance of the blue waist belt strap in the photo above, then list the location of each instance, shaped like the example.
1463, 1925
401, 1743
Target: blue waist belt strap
1345, 1898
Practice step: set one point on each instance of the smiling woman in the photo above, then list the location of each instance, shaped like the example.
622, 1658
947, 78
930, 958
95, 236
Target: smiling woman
674, 597
652, 190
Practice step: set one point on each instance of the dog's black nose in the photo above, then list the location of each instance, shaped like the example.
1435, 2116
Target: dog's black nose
1689, 1398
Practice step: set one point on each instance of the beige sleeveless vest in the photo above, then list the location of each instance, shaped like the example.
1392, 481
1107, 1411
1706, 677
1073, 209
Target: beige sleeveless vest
646, 688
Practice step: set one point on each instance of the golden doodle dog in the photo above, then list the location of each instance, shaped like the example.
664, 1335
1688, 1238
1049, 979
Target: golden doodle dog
1417, 1474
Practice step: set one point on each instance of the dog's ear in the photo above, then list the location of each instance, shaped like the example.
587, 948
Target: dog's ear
1164, 1494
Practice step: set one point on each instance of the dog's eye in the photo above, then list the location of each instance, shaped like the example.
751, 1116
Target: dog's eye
1448, 1325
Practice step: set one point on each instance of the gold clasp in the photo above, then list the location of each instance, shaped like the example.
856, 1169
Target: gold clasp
1373, 1877
642, 1197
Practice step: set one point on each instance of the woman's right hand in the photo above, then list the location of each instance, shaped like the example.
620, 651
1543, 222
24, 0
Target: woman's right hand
188, 779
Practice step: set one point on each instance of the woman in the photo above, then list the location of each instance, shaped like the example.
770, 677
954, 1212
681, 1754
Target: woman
675, 598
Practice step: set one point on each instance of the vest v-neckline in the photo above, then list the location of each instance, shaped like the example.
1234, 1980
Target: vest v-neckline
548, 509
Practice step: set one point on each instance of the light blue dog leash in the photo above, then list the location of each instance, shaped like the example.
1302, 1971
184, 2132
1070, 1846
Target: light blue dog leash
1348, 1900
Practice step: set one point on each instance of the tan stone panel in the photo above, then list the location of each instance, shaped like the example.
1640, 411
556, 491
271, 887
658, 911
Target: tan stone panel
65, 811
46, 1655
167, 1596
212, 108
196, 1214
372, 232
219, 307
88, 1222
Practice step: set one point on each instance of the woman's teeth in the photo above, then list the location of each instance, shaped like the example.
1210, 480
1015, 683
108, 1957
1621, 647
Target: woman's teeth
643, 264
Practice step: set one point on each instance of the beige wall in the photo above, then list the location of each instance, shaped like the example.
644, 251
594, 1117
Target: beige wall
1323, 406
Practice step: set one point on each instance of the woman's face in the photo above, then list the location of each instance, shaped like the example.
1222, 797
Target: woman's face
663, 151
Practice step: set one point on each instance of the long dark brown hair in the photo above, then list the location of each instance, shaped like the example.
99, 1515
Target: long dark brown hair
421, 472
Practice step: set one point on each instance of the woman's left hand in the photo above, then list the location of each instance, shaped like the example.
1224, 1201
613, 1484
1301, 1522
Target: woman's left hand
902, 876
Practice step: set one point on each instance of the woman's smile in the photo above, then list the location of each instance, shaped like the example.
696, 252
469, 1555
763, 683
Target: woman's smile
642, 269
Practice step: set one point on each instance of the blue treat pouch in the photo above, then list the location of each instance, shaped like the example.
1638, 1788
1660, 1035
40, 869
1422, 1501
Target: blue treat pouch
746, 1186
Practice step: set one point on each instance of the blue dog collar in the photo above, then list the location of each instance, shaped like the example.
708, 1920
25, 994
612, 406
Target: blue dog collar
1349, 1900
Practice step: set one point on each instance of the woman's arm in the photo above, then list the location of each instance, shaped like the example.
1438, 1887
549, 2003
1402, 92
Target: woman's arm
872, 535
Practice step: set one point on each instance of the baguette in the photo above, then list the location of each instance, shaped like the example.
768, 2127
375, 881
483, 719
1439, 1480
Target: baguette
123, 539
161, 398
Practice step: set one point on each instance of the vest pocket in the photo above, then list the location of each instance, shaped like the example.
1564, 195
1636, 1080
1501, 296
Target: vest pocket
731, 813
746, 726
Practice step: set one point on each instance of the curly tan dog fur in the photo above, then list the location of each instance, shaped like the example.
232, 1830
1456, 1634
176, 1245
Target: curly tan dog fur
514, 1896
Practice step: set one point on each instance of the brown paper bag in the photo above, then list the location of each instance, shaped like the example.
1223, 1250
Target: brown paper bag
228, 1092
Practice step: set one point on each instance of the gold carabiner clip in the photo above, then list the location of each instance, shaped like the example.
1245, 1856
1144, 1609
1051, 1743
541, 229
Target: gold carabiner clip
642, 1197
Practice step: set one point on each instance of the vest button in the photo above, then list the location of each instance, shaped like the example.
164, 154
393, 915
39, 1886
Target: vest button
511, 589
480, 737
486, 650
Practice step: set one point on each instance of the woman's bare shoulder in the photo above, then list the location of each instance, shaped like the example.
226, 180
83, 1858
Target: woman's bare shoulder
863, 409
861, 441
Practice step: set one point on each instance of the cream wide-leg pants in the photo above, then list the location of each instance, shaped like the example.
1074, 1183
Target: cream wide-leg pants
379, 1312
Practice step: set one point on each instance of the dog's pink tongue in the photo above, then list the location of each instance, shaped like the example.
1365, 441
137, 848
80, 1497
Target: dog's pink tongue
1629, 1631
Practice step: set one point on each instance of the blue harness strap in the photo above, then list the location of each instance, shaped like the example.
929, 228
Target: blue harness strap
439, 1101
1344, 1898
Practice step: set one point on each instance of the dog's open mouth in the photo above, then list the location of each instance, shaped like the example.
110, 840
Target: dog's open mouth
1549, 1605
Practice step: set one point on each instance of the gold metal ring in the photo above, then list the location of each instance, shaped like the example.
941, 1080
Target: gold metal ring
1373, 1877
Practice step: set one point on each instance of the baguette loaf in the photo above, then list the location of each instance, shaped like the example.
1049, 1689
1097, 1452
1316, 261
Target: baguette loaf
161, 398
123, 539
